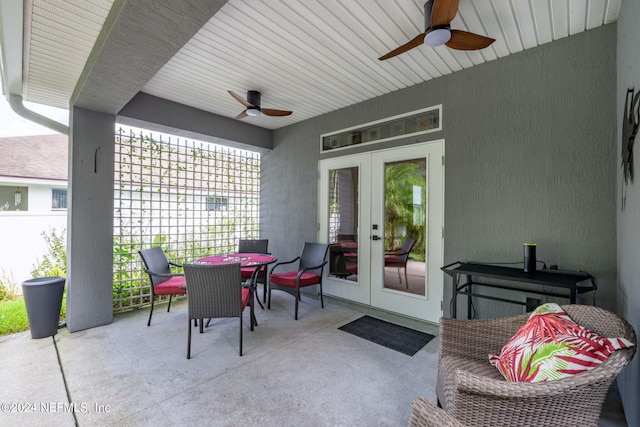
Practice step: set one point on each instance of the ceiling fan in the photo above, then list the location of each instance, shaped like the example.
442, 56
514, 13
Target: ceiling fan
438, 15
252, 103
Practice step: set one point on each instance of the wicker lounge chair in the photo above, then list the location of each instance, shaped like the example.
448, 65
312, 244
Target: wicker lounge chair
473, 393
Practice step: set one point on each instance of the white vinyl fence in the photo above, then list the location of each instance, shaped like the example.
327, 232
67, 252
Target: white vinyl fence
23, 245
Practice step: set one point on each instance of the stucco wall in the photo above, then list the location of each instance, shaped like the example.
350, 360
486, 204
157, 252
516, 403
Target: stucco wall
628, 59
90, 220
530, 157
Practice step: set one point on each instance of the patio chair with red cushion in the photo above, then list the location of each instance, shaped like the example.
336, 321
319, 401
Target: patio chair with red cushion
399, 257
163, 280
216, 291
309, 273
257, 246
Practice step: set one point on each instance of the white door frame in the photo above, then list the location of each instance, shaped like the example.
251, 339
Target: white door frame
429, 306
369, 289
342, 288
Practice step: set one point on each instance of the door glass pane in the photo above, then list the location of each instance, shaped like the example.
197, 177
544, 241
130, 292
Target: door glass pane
405, 222
343, 223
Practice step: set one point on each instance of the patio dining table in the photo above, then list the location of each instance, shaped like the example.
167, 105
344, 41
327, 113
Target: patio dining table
253, 260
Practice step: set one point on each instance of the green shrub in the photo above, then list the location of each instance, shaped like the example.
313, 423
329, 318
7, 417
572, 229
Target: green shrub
8, 287
54, 262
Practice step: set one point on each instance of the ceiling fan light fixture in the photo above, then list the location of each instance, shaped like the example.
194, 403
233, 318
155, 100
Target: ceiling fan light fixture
253, 112
437, 36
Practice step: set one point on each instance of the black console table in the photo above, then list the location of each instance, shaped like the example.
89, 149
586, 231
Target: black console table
564, 284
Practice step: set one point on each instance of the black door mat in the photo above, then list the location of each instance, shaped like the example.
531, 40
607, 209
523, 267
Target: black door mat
396, 337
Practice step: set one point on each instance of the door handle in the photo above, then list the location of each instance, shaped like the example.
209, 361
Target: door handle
375, 237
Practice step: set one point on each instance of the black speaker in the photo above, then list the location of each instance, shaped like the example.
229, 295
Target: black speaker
529, 257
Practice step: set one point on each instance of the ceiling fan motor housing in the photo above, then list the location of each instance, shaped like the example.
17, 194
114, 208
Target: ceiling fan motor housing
253, 98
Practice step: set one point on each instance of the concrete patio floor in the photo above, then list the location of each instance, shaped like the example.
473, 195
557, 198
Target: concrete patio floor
292, 373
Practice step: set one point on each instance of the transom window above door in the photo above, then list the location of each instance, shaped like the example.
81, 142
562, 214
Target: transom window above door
404, 125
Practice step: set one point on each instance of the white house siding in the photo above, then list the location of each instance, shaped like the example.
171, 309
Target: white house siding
40, 197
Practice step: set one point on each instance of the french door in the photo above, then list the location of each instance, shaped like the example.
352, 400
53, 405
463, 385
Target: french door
382, 215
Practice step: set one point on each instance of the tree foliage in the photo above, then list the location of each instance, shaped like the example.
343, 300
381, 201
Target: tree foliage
400, 211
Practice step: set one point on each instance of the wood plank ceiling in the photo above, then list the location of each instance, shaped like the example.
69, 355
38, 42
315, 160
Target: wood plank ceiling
311, 56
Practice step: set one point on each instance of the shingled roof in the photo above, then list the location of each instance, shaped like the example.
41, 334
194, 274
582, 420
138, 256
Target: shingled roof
36, 156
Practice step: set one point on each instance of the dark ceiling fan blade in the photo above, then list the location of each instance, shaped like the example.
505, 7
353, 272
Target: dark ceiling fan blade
443, 12
415, 42
240, 99
272, 112
464, 40
241, 115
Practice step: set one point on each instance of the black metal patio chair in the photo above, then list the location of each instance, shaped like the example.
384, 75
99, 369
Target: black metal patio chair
163, 280
310, 268
256, 246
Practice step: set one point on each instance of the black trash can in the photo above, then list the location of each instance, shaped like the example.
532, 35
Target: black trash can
43, 300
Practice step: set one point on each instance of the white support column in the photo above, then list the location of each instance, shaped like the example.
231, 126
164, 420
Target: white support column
90, 219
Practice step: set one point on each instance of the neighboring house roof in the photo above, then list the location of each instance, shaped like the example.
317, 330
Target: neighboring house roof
36, 156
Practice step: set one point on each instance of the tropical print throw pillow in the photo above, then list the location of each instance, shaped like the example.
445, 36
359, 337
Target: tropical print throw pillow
551, 346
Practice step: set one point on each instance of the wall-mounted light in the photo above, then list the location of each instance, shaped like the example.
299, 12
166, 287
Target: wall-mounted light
18, 198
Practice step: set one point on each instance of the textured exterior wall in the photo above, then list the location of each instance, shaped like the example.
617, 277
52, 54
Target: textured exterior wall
288, 199
90, 220
530, 157
628, 61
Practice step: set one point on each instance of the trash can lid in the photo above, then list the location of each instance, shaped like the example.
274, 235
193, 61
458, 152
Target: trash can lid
50, 280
